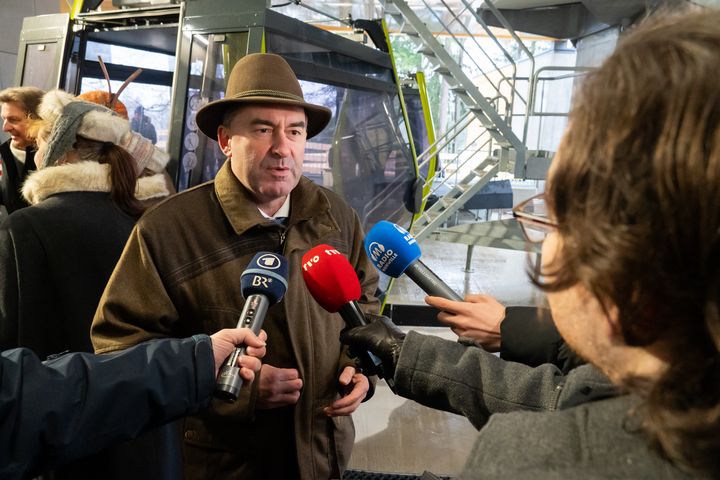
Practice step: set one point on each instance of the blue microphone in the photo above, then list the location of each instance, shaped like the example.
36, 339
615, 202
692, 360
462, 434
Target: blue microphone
394, 251
263, 283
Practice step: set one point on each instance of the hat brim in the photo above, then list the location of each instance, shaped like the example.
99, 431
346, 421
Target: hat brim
210, 116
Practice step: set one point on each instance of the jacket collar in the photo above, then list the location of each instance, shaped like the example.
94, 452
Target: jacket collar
306, 201
84, 177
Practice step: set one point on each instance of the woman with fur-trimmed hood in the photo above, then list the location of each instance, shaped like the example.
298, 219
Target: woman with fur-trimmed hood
57, 255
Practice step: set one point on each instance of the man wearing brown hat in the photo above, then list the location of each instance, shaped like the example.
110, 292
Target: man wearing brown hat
180, 275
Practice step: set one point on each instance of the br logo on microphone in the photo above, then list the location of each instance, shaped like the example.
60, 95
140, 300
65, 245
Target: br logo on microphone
269, 261
380, 256
259, 281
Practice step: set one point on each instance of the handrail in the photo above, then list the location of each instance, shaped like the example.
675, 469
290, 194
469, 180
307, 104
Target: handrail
299, 3
438, 145
459, 43
536, 79
503, 21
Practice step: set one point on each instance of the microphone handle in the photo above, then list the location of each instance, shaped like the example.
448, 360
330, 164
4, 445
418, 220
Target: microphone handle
229, 382
354, 317
429, 282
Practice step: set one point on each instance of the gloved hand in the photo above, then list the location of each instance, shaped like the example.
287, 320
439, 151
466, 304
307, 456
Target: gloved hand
381, 337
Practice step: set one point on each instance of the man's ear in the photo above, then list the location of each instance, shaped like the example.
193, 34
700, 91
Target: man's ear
224, 140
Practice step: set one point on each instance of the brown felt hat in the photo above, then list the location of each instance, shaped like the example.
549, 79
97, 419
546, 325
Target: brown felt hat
261, 78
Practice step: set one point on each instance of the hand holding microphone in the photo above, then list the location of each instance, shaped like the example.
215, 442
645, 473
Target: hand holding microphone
394, 251
263, 283
333, 283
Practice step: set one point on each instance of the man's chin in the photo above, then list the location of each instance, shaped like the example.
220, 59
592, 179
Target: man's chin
18, 144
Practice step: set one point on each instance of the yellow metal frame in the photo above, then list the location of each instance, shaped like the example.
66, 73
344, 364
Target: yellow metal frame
76, 8
400, 96
430, 128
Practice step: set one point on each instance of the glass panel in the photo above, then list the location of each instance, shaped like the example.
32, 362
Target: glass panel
418, 128
211, 56
324, 57
362, 155
148, 106
40, 65
131, 57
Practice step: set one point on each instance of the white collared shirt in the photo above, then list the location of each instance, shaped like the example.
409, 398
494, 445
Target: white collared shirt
283, 212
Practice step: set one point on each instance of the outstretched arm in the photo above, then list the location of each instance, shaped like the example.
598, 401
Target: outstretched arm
80, 403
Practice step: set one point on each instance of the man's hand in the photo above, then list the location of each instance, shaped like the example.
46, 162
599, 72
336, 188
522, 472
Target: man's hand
478, 317
278, 387
358, 386
381, 337
225, 341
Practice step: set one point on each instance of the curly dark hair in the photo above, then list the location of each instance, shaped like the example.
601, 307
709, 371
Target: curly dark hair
635, 190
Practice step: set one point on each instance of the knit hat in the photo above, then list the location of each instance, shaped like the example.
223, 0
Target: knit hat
71, 117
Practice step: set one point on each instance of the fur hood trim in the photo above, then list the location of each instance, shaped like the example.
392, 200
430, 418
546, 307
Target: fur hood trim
84, 177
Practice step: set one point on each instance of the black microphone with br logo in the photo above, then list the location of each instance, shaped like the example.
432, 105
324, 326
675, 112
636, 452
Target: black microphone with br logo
263, 283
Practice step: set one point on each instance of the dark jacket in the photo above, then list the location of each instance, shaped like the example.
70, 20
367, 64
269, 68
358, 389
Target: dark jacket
55, 259
77, 404
528, 335
542, 424
180, 274
13, 175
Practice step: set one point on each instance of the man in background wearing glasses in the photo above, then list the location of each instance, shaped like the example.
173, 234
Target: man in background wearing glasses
631, 268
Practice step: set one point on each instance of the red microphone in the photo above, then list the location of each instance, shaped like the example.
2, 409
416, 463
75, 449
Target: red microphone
333, 283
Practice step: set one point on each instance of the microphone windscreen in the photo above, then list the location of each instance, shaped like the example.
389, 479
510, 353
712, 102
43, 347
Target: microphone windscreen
330, 277
266, 274
391, 248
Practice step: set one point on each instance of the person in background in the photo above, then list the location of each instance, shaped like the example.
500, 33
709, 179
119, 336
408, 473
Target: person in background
75, 405
57, 255
142, 124
630, 267
180, 271
17, 106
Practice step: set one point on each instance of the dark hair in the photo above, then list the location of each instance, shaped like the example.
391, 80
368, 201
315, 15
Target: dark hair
635, 189
123, 177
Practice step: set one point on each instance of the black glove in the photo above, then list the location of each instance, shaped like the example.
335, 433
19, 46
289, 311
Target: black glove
381, 337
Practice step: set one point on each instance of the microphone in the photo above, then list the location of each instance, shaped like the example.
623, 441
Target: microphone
263, 283
333, 283
394, 251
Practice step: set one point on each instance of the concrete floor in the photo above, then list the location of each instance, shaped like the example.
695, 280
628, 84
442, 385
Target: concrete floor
395, 435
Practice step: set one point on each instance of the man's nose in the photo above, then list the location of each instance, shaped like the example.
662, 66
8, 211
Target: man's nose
281, 145
6, 126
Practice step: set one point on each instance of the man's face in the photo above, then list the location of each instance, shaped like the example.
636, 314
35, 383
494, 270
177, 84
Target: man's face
266, 147
15, 122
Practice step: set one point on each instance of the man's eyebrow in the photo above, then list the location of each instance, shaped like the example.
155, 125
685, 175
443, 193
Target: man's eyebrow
300, 124
261, 121
268, 123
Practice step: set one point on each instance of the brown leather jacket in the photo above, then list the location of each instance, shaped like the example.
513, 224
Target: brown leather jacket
180, 275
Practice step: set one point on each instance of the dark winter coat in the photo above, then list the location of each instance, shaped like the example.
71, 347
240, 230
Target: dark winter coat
78, 404
536, 423
179, 275
12, 177
55, 259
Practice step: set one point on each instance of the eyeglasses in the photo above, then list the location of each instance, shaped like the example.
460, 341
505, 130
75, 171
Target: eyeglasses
531, 214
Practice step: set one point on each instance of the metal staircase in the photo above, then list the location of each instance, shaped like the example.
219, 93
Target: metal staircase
496, 142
